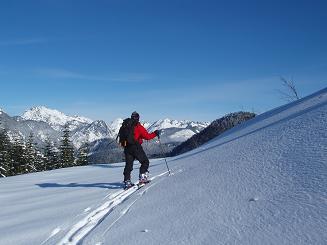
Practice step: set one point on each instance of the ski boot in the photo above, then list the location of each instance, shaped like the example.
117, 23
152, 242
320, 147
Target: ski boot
128, 184
143, 178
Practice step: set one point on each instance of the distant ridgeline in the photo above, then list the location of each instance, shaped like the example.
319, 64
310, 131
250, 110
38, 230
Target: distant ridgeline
216, 128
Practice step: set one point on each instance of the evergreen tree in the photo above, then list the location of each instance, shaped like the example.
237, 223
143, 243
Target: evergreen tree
66, 149
39, 161
83, 155
31, 155
18, 156
3, 170
51, 160
5, 161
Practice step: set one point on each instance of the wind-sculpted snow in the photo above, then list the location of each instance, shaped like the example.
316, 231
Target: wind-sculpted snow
263, 182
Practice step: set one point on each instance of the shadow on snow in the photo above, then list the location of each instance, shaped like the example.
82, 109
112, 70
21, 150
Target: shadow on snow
107, 165
115, 185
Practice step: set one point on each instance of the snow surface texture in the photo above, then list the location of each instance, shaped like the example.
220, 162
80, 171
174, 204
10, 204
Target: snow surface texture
263, 182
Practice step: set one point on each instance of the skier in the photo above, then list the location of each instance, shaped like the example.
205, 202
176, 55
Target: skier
131, 136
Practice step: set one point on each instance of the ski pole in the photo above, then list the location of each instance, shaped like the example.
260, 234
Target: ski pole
162, 152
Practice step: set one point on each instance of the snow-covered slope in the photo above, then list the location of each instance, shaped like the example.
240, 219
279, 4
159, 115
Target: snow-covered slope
263, 182
54, 118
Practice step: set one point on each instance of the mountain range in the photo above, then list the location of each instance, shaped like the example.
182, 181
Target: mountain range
47, 123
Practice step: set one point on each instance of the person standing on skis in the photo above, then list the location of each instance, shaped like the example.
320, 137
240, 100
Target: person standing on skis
131, 136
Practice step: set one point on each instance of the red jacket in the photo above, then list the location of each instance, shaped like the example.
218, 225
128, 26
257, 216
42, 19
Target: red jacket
141, 134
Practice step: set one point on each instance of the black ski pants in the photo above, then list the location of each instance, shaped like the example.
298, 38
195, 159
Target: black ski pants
133, 152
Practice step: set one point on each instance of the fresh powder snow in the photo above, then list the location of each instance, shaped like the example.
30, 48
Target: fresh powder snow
262, 182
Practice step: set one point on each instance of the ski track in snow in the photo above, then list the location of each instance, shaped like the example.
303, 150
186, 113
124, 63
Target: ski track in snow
82, 228
53, 233
126, 210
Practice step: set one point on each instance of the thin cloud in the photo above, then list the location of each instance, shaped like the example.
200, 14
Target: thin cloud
66, 74
231, 92
26, 41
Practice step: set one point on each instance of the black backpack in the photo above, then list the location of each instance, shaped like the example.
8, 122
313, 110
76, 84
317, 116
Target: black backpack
126, 132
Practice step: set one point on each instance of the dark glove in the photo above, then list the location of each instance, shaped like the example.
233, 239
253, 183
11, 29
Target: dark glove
157, 132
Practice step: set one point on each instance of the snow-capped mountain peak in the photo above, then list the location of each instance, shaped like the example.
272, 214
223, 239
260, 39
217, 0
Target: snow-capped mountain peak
168, 123
172, 130
114, 127
54, 118
95, 131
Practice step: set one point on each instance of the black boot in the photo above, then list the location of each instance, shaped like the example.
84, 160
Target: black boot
128, 184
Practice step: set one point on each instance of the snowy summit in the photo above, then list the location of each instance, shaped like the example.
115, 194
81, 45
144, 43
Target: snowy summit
54, 118
177, 131
114, 127
168, 123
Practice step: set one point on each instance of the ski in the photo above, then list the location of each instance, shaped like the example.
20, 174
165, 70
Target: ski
129, 187
140, 185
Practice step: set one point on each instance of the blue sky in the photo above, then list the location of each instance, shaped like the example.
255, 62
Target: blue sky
187, 59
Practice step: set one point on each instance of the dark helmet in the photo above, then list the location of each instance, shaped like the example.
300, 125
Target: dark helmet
135, 116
